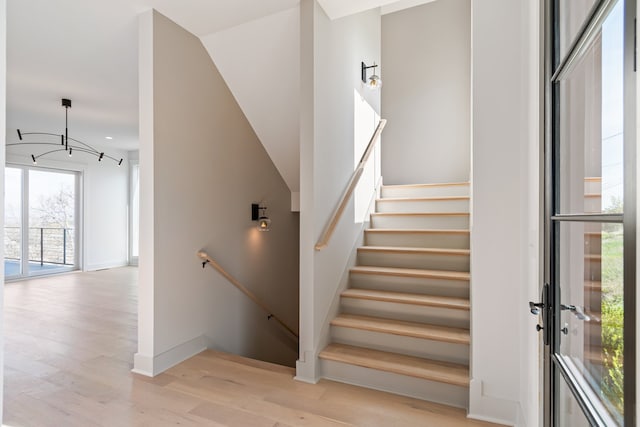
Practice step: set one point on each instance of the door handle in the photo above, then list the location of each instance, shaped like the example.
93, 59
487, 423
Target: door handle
542, 308
534, 307
577, 310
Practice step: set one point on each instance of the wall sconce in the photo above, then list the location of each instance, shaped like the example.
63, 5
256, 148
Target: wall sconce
374, 81
258, 214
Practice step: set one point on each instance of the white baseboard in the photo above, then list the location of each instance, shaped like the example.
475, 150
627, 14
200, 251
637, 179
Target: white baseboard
489, 408
152, 366
105, 265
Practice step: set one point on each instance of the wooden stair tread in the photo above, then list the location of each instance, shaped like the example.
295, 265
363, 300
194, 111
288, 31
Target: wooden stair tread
414, 231
420, 214
411, 272
403, 328
410, 250
450, 373
422, 199
443, 184
407, 298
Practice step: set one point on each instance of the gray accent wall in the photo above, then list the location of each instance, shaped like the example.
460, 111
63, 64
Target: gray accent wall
426, 74
207, 167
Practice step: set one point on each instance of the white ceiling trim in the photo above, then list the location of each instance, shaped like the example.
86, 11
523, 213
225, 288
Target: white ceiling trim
401, 5
340, 8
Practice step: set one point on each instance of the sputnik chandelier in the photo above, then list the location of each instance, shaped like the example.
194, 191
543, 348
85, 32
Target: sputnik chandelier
70, 145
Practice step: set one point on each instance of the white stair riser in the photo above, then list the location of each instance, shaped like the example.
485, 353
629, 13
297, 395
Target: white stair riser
407, 312
418, 240
592, 270
437, 222
430, 349
593, 300
461, 205
429, 261
399, 384
592, 204
414, 285
592, 187
425, 191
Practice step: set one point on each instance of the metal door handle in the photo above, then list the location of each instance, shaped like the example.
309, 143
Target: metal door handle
535, 307
577, 310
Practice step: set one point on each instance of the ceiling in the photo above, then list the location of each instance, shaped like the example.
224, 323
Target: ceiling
87, 51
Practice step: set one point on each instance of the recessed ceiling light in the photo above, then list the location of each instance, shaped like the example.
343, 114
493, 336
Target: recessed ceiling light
108, 137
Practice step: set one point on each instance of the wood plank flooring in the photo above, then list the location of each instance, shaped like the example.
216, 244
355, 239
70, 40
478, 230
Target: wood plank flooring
70, 340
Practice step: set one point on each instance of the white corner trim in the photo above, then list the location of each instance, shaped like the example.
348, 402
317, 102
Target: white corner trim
295, 201
489, 408
152, 366
142, 365
521, 420
306, 368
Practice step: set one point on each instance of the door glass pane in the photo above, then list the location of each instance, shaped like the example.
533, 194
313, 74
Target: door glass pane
591, 321
571, 16
591, 126
569, 412
12, 222
52, 209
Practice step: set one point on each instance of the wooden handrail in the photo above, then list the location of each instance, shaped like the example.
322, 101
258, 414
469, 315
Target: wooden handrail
323, 242
206, 259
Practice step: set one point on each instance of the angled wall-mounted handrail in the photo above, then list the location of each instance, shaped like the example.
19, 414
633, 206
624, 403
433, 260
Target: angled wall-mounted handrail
323, 242
206, 259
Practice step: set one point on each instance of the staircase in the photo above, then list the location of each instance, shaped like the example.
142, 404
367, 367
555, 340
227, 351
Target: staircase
404, 321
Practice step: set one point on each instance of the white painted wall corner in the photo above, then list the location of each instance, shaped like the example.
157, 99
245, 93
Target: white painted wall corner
491, 409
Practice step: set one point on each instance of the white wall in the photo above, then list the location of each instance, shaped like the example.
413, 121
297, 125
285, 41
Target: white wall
331, 53
260, 62
201, 167
3, 117
505, 211
104, 193
106, 233
426, 51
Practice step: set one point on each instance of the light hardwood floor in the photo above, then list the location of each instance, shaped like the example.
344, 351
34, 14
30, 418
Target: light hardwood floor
70, 340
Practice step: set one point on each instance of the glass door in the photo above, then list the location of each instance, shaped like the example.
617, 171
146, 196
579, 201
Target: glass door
41, 216
52, 221
13, 220
588, 305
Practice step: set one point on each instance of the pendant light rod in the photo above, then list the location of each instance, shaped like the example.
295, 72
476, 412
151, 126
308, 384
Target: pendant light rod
66, 103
